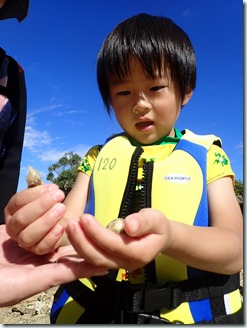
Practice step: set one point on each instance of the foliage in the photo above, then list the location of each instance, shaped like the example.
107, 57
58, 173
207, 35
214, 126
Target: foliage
239, 188
239, 191
64, 172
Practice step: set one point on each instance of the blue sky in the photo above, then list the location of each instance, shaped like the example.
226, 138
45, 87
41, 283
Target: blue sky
57, 45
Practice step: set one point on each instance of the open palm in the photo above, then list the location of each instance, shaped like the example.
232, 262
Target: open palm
24, 274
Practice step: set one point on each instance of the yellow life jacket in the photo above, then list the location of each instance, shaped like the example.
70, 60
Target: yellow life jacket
176, 185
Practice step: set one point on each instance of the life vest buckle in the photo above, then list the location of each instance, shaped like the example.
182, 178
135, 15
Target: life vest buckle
148, 298
157, 297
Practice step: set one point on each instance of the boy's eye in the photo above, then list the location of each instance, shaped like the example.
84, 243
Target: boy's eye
123, 93
157, 88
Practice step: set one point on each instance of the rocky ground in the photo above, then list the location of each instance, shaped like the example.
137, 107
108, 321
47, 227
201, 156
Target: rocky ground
34, 310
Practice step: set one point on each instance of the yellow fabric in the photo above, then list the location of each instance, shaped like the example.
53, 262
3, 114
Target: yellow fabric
109, 165
235, 301
164, 159
181, 313
215, 170
109, 168
87, 282
70, 312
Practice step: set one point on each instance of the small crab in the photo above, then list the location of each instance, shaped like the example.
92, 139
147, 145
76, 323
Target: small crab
33, 178
116, 225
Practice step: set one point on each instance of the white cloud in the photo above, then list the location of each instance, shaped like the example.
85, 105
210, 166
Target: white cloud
72, 112
188, 13
53, 155
33, 138
44, 146
81, 150
240, 147
41, 145
50, 155
43, 109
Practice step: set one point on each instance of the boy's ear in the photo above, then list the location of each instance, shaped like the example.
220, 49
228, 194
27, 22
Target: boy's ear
187, 97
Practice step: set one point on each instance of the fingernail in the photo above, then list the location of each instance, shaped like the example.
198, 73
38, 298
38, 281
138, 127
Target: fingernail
58, 230
52, 187
70, 227
134, 224
86, 219
57, 195
58, 209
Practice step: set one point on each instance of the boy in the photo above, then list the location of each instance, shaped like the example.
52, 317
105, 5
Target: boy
179, 257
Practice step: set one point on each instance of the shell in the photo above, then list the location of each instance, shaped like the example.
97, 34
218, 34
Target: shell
116, 226
33, 178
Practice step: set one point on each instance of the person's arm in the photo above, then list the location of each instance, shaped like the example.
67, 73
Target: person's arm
42, 232
24, 274
218, 248
75, 202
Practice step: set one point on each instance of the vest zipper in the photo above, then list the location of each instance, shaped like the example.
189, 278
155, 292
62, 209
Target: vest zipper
146, 201
146, 185
126, 207
129, 193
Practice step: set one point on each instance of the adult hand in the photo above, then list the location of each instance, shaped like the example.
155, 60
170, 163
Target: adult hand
143, 241
32, 217
24, 274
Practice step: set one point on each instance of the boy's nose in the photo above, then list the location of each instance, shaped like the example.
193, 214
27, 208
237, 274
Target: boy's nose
140, 110
141, 107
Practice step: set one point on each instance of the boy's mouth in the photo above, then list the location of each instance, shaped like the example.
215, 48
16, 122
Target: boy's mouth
144, 126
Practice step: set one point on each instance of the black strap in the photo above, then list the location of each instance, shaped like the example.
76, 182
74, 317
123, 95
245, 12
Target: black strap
14, 9
217, 304
148, 298
100, 305
152, 297
236, 318
2, 55
142, 318
13, 140
122, 302
3, 91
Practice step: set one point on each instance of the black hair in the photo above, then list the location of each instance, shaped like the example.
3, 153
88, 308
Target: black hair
157, 42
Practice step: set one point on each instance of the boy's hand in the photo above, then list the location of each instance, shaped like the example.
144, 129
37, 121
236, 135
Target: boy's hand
32, 217
143, 241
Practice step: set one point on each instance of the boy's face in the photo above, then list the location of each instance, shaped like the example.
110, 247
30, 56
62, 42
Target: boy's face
145, 108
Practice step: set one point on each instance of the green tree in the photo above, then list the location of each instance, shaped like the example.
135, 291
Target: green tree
239, 191
239, 188
64, 172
